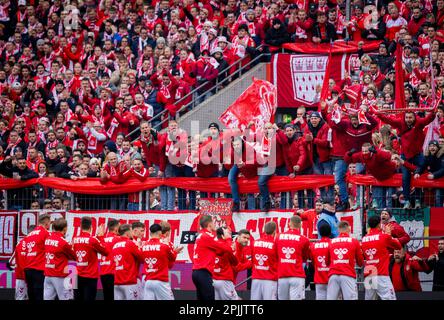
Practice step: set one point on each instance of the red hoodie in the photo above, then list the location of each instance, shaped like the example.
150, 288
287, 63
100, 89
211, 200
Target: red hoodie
206, 248
265, 258
57, 254
397, 231
158, 257
293, 251
345, 253
319, 254
410, 268
86, 248
35, 243
378, 164
107, 262
224, 265
375, 246
127, 258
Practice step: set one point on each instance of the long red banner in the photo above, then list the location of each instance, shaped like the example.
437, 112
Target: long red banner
276, 184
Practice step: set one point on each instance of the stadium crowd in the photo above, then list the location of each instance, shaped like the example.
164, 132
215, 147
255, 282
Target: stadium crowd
77, 78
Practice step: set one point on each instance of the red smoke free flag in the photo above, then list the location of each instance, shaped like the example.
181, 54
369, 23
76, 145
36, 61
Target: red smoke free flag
258, 103
399, 86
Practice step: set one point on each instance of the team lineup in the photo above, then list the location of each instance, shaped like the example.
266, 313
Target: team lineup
132, 267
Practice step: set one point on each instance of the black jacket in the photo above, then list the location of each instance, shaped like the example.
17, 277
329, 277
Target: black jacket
277, 37
329, 35
438, 272
433, 164
375, 34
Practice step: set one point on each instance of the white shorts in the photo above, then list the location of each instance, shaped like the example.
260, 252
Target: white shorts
21, 290
263, 289
127, 292
157, 290
381, 286
292, 288
225, 290
57, 287
321, 291
340, 283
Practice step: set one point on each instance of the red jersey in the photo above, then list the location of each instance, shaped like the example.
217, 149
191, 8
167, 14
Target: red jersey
345, 252
107, 262
265, 259
309, 223
293, 250
205, 250
224, 265
319, 252
35, 243
86, 248
20, 259
375, 246
158, 257
57, 254
127, 257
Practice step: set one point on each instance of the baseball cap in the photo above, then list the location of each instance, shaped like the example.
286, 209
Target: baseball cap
434, 142
315, 114
175, 72
182, 29
213, 125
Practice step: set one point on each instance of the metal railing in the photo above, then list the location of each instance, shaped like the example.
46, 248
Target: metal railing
164, 117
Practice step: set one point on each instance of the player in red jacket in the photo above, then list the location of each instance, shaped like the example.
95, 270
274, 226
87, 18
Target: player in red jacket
293, 251
35, 258
18, 262
127, 258
375, 247
107, 262
265, 265
158, 259
390, 226
344, 254
206, 248
57, 254
310, 219
319, 255
86, 248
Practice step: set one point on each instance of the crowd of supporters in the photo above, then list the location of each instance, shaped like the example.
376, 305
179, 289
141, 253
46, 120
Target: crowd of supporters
77, 78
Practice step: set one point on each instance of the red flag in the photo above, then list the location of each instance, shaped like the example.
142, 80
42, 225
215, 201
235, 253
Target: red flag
325, 88
336, 114
354, 94
362, 118
399, 86
258, 103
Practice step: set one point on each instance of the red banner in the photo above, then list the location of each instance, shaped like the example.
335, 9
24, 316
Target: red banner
257, 103
436, 227
7, 233
219, 209
338, 47
27, 218
306, 73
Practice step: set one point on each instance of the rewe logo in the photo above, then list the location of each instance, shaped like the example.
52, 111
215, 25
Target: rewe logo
49, 257
288, 252
370, 253
30, 245
150, 262
80, 255
261, 258
340, 252
321, 260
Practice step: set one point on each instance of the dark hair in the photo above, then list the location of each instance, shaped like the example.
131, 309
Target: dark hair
43, 218
166, 226
124, 228
86, 223
59, 224
204, 221
324, 230
155, 228
270, 227
137, 224
220, 232
343, 225
373, 221
244, 231
112, 224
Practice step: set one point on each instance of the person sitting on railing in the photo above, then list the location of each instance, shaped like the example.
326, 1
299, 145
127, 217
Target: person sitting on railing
434, 165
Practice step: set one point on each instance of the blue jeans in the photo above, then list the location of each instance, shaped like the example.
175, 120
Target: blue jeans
133, 206
383, 196
340, 172
232, 180
185, 171
417, 160
282, 172
324, 168
167, 194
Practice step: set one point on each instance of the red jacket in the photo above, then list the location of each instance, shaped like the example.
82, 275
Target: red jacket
310, 222
378, 164
344, 253
298, 153
86, 248
320, 141
150, 150
293, 251
57, 253
127, 258
20, 259
224, 265
171, 149
208, 161
412, 138
35, 243
405, 275
158, 257
265, 259
319, 254
375, 247
206, 248
397, 231
107, 262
